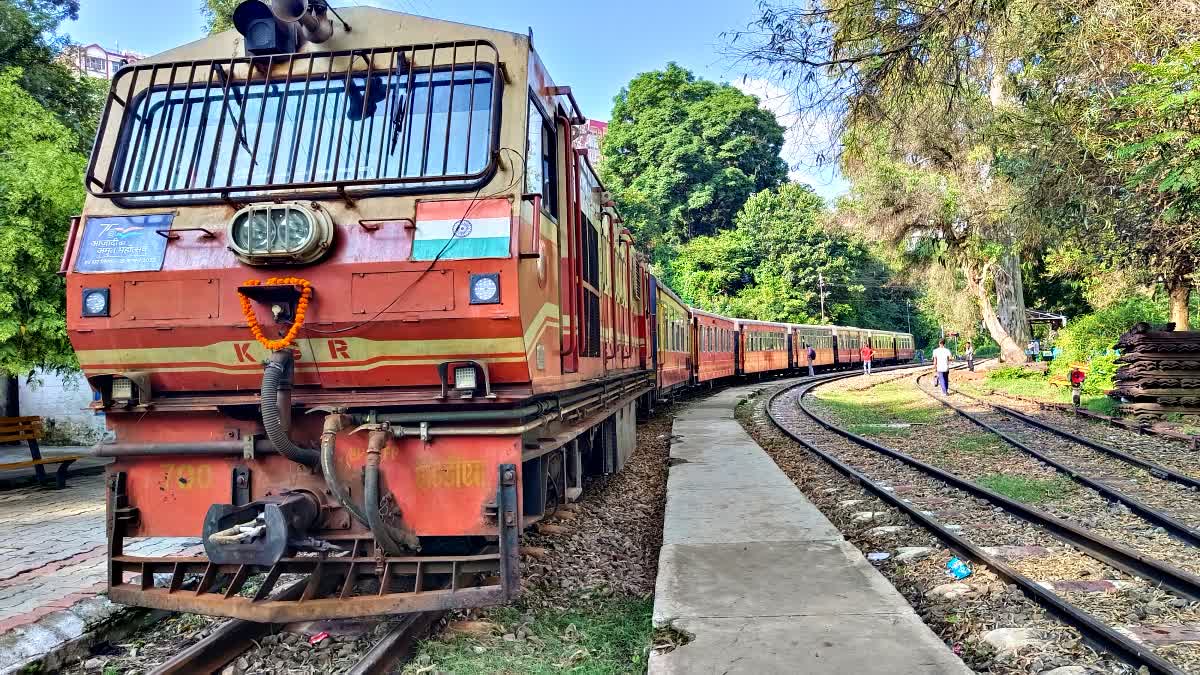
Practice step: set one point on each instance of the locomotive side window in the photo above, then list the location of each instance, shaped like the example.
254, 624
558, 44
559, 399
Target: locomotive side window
327, 130
541, 165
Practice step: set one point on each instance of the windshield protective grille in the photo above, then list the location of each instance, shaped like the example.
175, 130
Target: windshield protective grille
417, 118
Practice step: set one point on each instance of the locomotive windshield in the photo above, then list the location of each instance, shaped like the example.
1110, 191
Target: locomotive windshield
402, 128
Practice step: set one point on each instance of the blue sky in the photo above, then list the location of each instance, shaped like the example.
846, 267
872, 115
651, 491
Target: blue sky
595, 51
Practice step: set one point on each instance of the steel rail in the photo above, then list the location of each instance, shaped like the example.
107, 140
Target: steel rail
224, 644
1094, 630
1157, 470
1173, 525
1122, 557
235, 637
397, 646
1128, 425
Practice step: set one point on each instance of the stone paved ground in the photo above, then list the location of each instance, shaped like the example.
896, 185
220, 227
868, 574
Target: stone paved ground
52, 564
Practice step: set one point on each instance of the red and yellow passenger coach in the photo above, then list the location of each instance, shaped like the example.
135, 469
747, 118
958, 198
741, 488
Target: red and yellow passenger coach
355, 310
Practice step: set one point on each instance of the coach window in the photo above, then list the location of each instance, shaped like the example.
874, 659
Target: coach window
541, 165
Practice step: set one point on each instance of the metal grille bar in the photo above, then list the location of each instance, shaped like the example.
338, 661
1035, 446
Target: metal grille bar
418, 117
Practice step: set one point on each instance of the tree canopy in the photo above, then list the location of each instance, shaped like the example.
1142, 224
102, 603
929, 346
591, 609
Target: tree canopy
682, 154
47, 119
781, 254
218, 14
40, 189
28, 42
995, 141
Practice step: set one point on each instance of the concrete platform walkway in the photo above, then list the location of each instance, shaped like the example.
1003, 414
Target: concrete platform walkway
52, 568
760, 578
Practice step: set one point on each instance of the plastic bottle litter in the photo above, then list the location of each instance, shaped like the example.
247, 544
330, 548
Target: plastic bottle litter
878, 556
958, 569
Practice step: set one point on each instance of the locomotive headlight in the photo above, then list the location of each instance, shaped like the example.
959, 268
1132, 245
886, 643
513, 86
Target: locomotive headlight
95, 302
292, 229
280, 233
464, 378
485, 289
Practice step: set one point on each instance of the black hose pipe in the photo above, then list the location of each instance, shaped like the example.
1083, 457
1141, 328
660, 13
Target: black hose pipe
333, 424
371, 495
277, 374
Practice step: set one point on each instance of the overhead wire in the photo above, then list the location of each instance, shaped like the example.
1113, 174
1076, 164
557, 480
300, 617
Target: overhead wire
517, 176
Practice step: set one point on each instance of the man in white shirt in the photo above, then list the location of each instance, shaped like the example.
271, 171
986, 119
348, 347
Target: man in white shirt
941, 363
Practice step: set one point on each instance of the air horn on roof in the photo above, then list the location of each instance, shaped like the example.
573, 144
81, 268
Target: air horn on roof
312, 15
283, 26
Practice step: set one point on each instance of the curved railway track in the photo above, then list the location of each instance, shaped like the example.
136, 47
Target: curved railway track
1132, 426
843, 450
236, 637
1097, 466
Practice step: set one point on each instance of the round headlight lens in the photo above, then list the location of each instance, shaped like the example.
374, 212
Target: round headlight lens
292, 229
485, 289
251, 231
95, 303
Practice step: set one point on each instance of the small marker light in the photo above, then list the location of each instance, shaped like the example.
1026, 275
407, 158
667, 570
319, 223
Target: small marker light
95, 302
485, 289
464, 378
122, 389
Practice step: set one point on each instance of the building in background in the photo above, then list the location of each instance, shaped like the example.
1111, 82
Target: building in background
96, 61
588, 137
63, 401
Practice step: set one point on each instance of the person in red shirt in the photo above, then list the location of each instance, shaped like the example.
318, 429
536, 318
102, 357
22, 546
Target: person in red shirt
866, 354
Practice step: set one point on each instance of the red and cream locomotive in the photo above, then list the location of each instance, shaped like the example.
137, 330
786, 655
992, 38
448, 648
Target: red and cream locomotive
357, 312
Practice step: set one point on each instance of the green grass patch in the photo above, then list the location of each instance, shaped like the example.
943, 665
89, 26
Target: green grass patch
595, 637
1040, 389
866, 411
876, 430
1028, 490
976, 443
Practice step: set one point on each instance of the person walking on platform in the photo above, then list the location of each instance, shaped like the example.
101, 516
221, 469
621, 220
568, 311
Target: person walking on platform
866, 354
941, 363
969, 354
812, 356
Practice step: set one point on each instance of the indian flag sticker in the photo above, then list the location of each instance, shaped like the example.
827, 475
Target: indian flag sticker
461, 229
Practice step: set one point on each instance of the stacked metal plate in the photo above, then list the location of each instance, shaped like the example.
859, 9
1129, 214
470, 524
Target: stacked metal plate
1159, 373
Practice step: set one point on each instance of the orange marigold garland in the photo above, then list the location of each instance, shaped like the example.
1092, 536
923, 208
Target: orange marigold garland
301, 309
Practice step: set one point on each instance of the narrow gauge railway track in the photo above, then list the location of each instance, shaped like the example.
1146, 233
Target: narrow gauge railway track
1157, 469
1092, 471
1160, 494
788, 413
1132, 426
237, 636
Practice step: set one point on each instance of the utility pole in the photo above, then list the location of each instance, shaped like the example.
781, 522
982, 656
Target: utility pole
908, 313
821, 284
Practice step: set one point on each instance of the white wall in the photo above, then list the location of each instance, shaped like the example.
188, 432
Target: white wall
63, 403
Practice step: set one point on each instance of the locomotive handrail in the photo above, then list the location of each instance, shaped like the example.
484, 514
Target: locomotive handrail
177, 171
569, 339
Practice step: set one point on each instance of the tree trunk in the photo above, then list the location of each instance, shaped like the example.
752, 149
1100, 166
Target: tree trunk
1181, 296
10, 402
1010, 299
1011, 351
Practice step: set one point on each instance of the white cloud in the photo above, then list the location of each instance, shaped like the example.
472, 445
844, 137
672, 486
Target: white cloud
808, 144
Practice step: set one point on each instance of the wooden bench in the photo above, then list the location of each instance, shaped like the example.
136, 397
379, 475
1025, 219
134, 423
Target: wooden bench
29, 430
